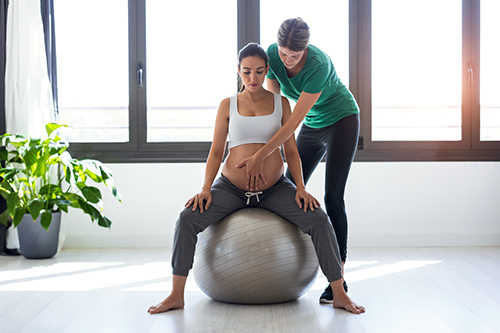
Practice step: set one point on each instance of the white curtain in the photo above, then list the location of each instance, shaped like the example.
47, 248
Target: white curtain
28, 93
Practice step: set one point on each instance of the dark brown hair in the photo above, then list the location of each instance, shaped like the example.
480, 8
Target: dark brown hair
251, 50
294, 34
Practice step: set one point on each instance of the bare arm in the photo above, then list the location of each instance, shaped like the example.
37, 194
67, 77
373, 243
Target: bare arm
254, 163
295, 166
214, 159
273, 85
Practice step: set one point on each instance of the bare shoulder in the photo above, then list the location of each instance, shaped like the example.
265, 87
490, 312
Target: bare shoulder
224, 107
285, 104
224, 104
285, 101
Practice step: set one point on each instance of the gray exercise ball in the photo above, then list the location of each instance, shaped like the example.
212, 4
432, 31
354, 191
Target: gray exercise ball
253, 256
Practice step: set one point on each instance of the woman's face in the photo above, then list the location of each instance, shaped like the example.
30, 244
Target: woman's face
253, 72
290, 58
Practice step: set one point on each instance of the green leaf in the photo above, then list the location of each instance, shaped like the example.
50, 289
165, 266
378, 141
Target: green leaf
51, 127
4, 218
68, 175
104, 222
66, 159
35, 207
80, 185
8, 173
42, 165
5, 139
92, 169
12, 203
62, 204
18, 140
33, 141
30, 157
4, 155
89, 209
51, 191
18, 216
46, 219
4, 193
116, 194
5, 186
92, 194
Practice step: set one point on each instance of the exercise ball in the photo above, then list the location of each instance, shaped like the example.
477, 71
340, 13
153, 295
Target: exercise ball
253, 256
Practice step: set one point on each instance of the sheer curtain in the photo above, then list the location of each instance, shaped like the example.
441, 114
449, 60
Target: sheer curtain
30, 73
28, 94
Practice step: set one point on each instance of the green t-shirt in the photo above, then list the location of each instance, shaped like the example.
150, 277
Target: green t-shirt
318, 75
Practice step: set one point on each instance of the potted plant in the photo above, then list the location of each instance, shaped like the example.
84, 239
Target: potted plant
40, 180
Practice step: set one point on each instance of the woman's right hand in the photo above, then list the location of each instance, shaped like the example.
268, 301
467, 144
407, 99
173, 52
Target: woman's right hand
254, 172
198, 199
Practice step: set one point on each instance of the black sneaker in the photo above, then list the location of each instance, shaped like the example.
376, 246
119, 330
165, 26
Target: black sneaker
10, 252
327, 296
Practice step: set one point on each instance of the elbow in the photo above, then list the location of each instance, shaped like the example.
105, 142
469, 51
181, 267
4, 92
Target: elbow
290, 154
216, 155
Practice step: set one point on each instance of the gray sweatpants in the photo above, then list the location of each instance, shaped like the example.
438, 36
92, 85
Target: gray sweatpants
279, 199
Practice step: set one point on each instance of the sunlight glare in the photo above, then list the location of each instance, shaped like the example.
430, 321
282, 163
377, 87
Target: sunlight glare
386, 269
101, 275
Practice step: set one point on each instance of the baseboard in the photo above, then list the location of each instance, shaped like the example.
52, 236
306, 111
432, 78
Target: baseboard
355, 239
118, 240
427, 239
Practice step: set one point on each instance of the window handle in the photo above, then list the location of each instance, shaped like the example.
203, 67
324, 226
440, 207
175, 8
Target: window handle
139, 77
470, 75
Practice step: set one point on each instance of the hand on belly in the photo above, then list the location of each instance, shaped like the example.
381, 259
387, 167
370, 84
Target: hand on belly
273, 170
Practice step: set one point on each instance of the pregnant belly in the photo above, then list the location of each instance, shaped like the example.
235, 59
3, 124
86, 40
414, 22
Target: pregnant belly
273, 169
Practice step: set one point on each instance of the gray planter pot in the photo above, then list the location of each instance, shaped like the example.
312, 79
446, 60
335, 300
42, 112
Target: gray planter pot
34, 241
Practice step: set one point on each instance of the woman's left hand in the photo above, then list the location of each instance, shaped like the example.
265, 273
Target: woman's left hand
254, 172
306, 199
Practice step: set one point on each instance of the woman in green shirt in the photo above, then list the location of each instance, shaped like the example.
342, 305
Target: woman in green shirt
330, 117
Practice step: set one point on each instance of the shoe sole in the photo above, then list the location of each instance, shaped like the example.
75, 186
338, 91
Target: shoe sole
325, 301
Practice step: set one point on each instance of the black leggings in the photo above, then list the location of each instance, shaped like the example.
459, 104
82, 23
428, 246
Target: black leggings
339, 142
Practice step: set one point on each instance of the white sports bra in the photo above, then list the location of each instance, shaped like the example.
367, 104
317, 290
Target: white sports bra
258, 129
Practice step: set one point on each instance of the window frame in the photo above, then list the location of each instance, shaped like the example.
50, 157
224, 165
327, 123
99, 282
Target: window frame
470, 148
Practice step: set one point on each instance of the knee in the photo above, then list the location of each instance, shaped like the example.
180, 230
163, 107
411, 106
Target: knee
320, 223
324, 225
334, 201
187, 222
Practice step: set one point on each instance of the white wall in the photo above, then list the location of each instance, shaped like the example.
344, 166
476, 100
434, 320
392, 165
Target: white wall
388, 204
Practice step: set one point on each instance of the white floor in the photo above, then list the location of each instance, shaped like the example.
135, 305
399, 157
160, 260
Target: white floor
109, 290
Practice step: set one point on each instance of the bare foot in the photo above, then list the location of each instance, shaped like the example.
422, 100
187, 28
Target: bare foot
345, 302
170, 303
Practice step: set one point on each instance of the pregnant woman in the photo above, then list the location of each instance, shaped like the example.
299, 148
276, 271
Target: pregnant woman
250, 119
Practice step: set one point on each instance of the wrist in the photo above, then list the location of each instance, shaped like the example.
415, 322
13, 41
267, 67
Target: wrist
301, 188
258, 155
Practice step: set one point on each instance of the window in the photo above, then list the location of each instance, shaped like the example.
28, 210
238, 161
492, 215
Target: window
416, 70
490, 71
140, 81
419, 79
189, 73
92, 61
329, 27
